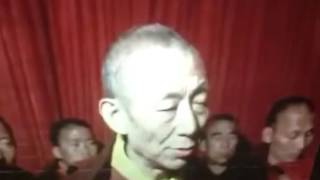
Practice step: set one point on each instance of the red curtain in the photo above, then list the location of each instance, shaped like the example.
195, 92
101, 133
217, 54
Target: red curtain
51, 52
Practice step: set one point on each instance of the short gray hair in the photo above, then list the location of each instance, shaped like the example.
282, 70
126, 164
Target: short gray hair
131, 40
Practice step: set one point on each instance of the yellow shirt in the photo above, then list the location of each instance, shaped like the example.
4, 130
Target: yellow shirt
125, 166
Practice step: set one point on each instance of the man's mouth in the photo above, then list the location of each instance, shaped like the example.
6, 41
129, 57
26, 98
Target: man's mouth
184, 151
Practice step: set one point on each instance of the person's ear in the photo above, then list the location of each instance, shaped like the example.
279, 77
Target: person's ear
113, 115
267, 134
56, 152
202, 146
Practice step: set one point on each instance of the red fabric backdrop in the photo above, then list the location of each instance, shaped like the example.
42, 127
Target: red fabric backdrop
50, 56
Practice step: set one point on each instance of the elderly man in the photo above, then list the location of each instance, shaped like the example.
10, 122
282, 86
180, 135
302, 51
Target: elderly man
155, 101
288, 133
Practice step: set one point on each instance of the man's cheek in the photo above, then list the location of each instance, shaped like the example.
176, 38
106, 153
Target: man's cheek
283, 140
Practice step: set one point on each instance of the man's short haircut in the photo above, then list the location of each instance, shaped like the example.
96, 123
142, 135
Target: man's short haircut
8, 128
132, 40
64, 123
283, 103
219, 117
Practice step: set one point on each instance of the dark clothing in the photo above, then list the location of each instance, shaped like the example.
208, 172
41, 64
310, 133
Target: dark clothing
243, 166
315, 174
50, 172
235, 171
14, 173
297, 170
85, 171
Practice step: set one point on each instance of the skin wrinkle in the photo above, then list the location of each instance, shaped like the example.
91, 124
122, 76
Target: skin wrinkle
155, 88
295, 120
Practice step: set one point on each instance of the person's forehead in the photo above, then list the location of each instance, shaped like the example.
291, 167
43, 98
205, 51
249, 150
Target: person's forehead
74, 132
161, 69
154, 59
295, 116
222, 126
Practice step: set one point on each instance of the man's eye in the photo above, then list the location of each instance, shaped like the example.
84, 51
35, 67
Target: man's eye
76, 144
293, 135
199, 106
6, 142
309, 134
91, 142
215, 136
172, 108
168, 107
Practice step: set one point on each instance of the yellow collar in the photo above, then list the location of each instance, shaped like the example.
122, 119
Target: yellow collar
124, 165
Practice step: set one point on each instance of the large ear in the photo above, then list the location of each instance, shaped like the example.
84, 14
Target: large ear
113, 115
202, 146
56, 152
267, 134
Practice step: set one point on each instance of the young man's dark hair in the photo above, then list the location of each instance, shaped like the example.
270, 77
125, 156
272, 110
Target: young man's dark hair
214, 118
220, 117
283, 103
63, 123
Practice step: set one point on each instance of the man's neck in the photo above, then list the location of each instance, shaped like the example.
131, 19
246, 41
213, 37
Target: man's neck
145, 166
272, 160
217, 169
62, 168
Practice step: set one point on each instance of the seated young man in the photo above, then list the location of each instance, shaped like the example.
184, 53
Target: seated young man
73, 143
226, 154
8, 168
287, 135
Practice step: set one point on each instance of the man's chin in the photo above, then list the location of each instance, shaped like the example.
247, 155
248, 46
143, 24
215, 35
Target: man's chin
219, 161
175, 164
292, 159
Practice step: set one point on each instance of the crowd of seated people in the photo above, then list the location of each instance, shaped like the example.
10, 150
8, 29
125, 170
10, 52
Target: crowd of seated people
288, 132
223, 152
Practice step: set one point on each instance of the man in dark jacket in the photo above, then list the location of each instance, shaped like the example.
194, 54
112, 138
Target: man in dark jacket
8, 168
226, 154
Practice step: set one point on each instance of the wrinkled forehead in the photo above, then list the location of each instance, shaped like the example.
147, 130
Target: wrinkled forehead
152, 68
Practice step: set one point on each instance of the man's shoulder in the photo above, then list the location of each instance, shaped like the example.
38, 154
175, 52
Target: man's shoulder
14, 173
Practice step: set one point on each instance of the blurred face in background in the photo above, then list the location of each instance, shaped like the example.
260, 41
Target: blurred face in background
291, 134
220, 141
7, 147
76, 144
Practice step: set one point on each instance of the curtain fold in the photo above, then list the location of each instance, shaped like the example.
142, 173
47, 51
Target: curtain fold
51, 53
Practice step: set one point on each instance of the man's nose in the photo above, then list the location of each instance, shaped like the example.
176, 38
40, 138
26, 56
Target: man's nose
226, 144
84, 149
186, 119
